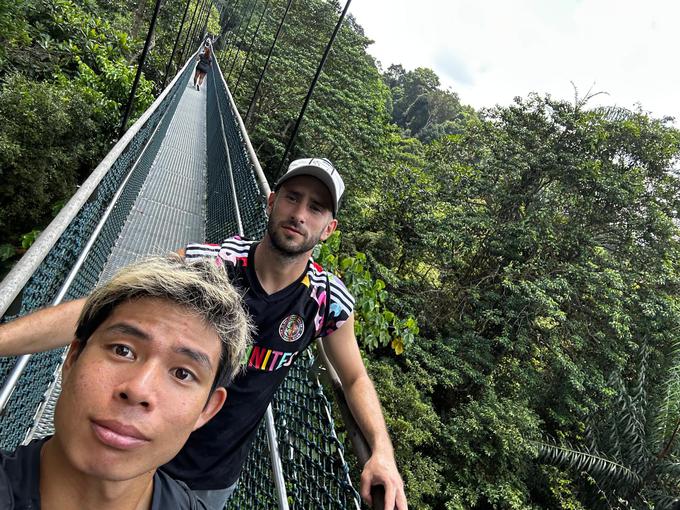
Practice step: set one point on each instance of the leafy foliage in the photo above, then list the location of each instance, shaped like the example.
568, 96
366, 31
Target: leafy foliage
376, 326
421, 108
536, 246
66, 70
49, 140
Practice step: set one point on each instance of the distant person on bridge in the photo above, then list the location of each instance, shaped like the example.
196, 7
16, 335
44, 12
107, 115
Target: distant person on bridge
152, 351
292, 301
203, 66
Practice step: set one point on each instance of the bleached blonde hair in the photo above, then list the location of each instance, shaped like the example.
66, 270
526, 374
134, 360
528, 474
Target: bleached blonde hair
197, 285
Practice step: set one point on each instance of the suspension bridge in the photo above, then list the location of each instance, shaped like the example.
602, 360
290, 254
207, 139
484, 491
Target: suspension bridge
185, 171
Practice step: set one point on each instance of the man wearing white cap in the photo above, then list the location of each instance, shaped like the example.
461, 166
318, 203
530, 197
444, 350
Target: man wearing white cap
292, 301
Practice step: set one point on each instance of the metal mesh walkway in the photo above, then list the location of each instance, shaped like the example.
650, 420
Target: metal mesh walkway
168, 213
170, 209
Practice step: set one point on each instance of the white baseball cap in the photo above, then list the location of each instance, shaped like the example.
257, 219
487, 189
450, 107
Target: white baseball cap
323, 170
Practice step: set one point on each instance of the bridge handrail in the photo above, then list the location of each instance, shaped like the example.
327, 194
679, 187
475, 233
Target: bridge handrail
12, 285
261, 179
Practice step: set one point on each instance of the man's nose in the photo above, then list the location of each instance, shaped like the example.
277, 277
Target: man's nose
140, 386
299, 212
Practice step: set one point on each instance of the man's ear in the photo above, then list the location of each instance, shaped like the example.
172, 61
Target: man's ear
330, 228
71, 357
214, 404
270, 201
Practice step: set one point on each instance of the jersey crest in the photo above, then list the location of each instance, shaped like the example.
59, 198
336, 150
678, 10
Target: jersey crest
292, 328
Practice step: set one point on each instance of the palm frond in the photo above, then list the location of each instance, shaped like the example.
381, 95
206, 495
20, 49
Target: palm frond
663, 501
614, 113
621, 429
605, 471
671, 469
667, 417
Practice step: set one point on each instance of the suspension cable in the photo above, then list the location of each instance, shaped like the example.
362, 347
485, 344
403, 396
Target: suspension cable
296, 129
240, 23
174, 46
186, 39
205, 23
192, 38
266, 64
250, 47
243, 36
230, 15
140, 65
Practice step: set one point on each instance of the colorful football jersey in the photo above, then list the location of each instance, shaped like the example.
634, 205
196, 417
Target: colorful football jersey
285, 322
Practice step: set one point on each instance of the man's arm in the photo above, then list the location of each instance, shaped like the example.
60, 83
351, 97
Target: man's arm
43, 330
381, 468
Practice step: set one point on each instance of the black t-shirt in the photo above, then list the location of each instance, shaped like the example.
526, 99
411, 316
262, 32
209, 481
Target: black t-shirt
20, 483
286, 322
204, 60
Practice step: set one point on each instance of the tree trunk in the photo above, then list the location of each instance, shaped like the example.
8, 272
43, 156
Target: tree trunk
139, 17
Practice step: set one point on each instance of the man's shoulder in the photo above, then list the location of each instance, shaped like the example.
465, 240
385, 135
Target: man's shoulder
231, 250
171, 493
323, 279
20, 477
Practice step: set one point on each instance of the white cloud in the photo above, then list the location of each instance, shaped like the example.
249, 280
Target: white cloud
499, 49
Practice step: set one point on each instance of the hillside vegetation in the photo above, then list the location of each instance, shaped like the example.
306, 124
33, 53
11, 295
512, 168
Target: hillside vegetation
518, 267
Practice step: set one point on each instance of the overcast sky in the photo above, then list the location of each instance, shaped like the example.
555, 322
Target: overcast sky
489, 51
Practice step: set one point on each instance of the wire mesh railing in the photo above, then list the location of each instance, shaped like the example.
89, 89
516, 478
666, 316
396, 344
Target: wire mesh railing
40, 275
228, 149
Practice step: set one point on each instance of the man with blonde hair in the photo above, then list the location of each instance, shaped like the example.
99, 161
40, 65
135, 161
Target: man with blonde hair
153, 351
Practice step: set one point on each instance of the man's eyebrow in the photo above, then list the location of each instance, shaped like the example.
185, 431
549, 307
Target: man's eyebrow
129, 330
198, 356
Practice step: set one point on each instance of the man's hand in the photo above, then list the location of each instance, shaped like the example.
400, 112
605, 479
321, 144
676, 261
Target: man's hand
382, 470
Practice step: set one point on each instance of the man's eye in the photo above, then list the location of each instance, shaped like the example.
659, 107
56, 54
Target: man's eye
183, 374
123, 351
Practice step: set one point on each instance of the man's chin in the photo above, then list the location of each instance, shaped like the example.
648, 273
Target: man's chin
288, 247
117, 471
288, 251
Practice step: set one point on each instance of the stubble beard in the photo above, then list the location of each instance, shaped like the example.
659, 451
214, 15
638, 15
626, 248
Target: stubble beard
286, 248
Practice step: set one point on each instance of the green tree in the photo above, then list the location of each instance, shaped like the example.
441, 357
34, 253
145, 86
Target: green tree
630, 452
535, 244
538, 247
421, 108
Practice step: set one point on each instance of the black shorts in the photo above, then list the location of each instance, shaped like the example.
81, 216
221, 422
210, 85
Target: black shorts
202, 68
